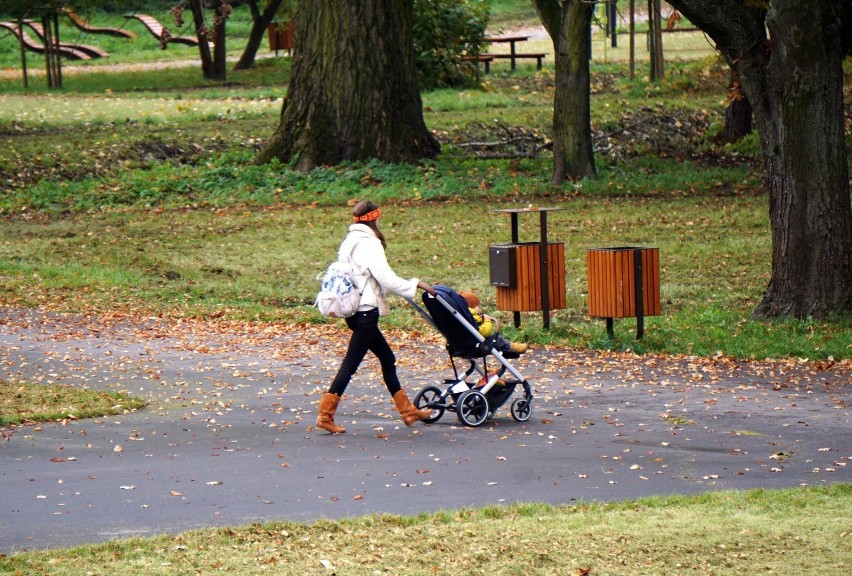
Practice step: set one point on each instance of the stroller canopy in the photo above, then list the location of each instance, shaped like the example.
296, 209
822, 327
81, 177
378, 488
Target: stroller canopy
460, 340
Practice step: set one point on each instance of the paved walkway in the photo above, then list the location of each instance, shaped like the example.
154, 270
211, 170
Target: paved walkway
228, 436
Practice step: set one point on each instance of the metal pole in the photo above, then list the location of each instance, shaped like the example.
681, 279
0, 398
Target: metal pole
545, 280
640, 305
516, 315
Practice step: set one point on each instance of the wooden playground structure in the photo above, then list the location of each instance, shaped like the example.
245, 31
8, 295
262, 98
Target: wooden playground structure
38, 46
77, 51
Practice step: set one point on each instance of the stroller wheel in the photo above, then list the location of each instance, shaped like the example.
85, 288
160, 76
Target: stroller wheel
429, 399
521, 409
472, 408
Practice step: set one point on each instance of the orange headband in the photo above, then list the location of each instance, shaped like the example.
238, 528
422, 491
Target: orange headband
368, 217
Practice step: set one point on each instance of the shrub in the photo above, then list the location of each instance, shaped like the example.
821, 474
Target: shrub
444, 32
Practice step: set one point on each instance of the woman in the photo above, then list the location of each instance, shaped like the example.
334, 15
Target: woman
365, 246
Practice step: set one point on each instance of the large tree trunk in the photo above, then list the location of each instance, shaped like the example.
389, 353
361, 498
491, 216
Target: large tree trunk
795, 86
353, 92
570, 29
806, 161
259, 23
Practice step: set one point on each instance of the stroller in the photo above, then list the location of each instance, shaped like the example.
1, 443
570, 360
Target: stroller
478, 392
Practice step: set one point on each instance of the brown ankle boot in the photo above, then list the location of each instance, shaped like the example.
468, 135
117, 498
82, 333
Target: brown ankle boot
410, 414
327, 408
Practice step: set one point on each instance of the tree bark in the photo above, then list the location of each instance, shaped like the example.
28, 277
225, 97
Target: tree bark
569, 27
353, 92
260, 22
23, 47
738, 113
795, 86
655, 41
51, 55
202, 33
220, 53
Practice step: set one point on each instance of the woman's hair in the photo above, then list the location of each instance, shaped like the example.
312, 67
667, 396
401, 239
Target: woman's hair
365, 207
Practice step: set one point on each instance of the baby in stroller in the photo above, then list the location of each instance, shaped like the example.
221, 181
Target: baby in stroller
489, 326
473, 400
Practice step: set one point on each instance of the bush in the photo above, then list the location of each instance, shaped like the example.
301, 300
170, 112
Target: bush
444, 32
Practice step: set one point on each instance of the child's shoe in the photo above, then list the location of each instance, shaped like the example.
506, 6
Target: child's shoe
519, 347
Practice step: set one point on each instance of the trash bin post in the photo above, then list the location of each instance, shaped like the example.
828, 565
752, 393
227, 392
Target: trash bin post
513, 217
545, 281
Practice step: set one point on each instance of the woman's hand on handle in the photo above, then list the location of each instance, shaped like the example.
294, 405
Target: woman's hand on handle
427, 288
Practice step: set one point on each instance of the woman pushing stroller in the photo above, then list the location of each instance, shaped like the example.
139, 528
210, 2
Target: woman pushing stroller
365, 247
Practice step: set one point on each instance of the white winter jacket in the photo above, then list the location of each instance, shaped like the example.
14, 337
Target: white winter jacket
373, 274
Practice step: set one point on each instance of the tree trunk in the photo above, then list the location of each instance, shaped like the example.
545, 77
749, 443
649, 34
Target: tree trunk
737, 113
806, 163
202, 33
50, 55
260, 22
353, 92
632, 39
570, 28
573, 156
23, 48
57, 60
655, 40
220, 54
795, 86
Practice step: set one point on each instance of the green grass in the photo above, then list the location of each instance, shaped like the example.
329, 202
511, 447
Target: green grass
784, 532
252, 263
25, 403
135, 189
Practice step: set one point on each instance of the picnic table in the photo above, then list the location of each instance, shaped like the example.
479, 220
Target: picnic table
513, 54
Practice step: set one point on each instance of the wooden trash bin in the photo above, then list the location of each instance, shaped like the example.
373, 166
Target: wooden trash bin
281, 36
527, 275
516, 273
624, 282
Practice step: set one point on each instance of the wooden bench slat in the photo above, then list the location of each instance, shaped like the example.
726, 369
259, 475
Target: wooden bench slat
83, 25
487, 60
34, 46
92, 51
539, 56
156, 29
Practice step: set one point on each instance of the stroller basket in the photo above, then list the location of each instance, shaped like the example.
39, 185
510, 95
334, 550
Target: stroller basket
476, 392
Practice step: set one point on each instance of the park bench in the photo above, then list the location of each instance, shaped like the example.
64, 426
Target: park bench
485, 59
92, 51
537, 56
83, 25
34, 46
159, 32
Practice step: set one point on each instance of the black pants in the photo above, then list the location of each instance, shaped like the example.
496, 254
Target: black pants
366, 336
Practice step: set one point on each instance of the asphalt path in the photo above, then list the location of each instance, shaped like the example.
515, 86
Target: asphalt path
228, 437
